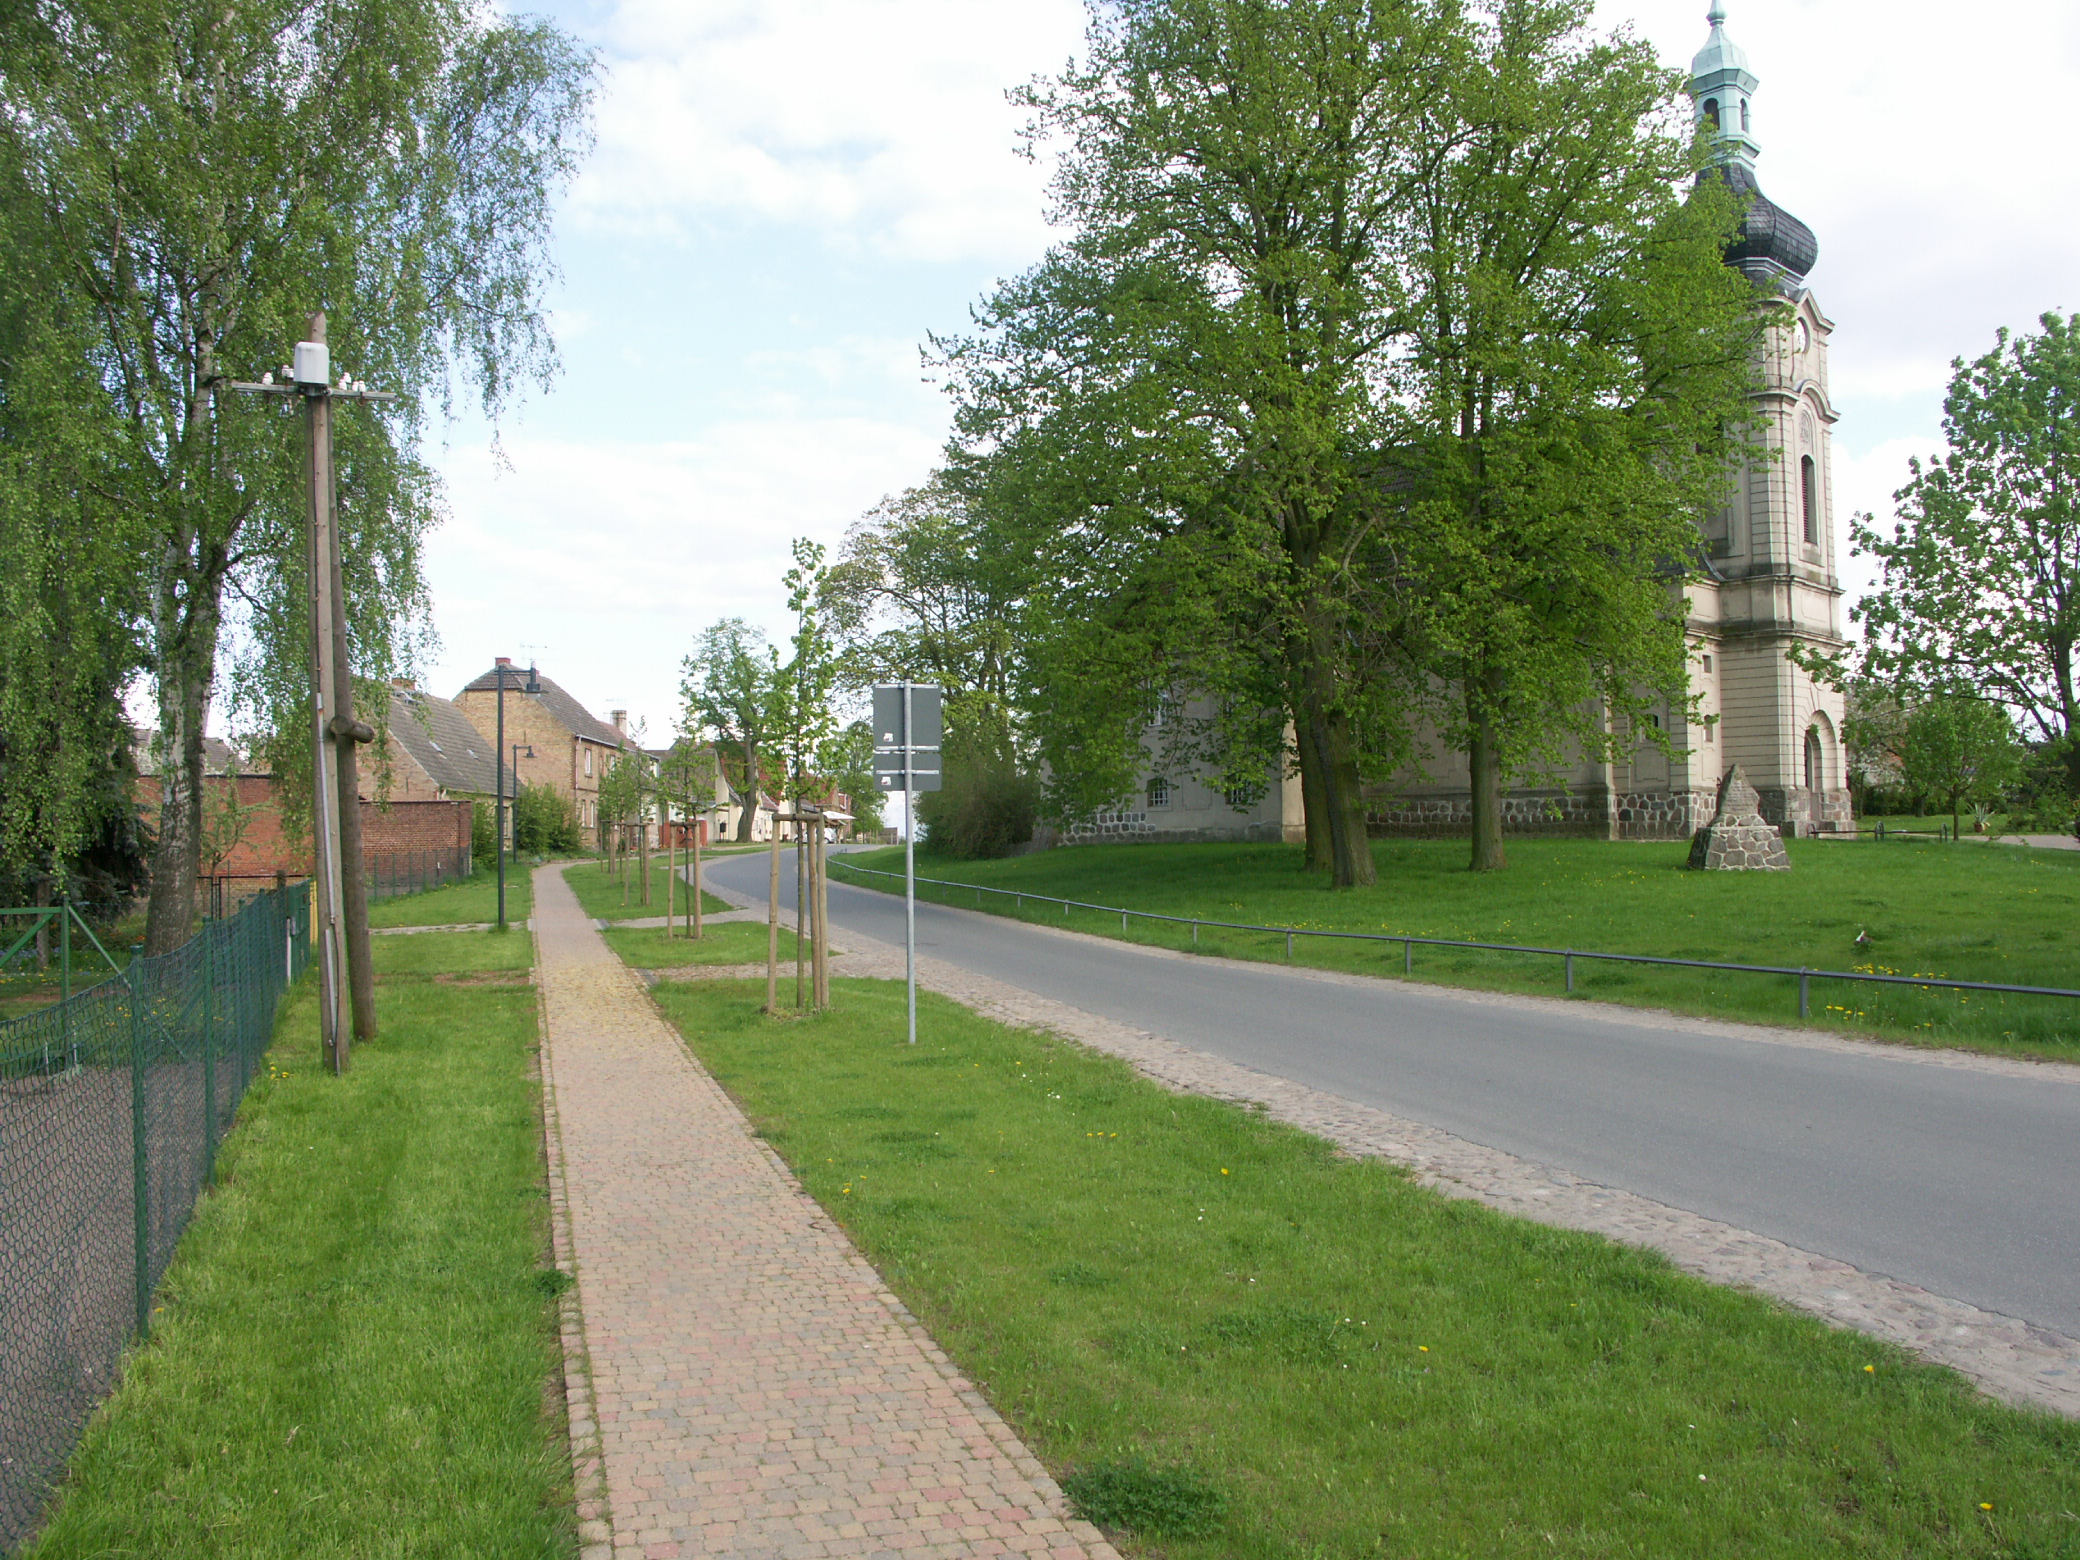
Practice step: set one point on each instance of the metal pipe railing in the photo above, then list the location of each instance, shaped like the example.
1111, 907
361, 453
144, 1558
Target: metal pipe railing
1410, 943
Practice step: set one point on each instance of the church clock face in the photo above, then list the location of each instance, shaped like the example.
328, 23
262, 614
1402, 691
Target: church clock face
1801, 336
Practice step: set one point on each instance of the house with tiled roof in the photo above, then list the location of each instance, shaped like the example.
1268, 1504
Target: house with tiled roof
551, 739
433, 752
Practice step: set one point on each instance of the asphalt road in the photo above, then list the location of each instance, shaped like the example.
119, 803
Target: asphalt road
1966, 1183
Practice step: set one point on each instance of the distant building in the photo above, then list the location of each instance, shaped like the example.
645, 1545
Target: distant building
571, 748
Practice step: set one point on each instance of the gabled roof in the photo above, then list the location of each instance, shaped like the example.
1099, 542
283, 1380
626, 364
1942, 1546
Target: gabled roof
445, 743
575, 718
218, 756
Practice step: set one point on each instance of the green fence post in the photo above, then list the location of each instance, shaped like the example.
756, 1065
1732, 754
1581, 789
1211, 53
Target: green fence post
209, 1050
65, 914
140, 1147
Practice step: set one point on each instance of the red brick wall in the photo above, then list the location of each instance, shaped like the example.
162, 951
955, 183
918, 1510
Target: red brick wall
403, 826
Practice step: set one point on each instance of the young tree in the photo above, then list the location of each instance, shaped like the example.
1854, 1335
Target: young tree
1960, 751
811, 674
209, 174
1981, 575
734, 690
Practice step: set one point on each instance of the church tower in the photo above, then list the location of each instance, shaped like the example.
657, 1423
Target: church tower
1773, 549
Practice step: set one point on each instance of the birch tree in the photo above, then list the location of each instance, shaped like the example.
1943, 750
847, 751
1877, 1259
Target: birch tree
209, 175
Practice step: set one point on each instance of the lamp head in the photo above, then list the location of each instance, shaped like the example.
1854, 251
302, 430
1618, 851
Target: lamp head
534, 680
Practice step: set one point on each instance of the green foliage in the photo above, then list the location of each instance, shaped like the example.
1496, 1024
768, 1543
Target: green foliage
734, 692
1959, 751
200, 178
1980, 584
544, 823
1385, 373
1133, 1497
810, 676
986, 806
846, 760
483, 834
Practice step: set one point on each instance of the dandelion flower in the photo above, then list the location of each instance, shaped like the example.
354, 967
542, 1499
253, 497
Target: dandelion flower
1870, 1370
1986, 1505
1224, 1169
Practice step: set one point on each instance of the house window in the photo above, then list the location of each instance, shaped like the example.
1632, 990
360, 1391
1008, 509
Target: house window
1159, 792
588, 763
1238, 797
1707, 663
1710, 727
1809, 493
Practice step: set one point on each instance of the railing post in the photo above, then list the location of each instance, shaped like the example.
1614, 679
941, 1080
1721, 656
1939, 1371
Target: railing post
1195, 934
1804, 1007
1408, 956
1123, 920
1570, 970
140, 1156
1289, 945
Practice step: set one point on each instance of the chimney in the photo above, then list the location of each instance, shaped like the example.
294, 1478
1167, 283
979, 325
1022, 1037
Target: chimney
505, 660
621, 721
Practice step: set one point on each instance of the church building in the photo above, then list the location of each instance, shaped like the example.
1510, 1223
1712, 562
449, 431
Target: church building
1771, 556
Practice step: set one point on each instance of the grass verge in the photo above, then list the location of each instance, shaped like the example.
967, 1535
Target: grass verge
733, 942
2007, 915
459, 904
428, 954
1264, 1351
601, 895
351, 1348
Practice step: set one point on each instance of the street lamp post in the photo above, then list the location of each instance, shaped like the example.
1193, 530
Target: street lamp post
532, 685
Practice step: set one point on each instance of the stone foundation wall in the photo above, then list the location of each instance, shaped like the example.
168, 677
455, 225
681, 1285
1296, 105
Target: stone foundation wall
1797, 810
1525, 814
1663, 815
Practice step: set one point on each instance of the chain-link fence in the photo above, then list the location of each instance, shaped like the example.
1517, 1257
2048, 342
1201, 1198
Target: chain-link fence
394, 872
111, 1106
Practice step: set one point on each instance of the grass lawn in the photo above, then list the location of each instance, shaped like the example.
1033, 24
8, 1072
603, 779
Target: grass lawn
601, 895
353, 1344
733, 942
459, 904
2007, 914
1300, 1355
426, 954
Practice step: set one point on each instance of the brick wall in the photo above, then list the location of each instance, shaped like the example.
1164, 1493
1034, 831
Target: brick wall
403, 826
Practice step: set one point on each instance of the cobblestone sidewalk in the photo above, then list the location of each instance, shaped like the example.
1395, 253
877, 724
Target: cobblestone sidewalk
740, 1381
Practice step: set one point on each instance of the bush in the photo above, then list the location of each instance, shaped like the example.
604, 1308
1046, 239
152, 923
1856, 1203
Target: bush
986, 809
483, 834
544, 823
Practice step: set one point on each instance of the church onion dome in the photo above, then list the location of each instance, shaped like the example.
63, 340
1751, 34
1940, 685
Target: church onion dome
1773, 246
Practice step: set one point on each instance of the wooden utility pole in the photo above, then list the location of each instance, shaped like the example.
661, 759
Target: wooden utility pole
345, 972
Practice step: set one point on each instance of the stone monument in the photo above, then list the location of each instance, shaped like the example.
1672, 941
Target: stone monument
1737, 840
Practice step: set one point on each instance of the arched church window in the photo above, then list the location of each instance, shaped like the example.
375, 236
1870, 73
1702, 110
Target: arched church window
1744, 116
1809, 494
1816, 778
1711, 112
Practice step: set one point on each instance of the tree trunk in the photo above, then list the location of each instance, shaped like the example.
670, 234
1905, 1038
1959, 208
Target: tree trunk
1314, 807
187, 640
1327, 729
1484, 765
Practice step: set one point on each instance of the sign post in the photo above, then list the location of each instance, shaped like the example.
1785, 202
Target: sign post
908, 721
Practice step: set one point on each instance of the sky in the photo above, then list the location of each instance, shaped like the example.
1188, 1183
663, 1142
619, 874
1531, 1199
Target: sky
789, 197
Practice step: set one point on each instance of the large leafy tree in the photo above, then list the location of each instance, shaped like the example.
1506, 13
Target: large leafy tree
735, 694
1385, 360
1572, 383
1980, 590
209, 174
1957, 751
1193, 360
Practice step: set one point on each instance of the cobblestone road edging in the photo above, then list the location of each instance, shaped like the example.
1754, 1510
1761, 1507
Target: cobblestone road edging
2009, 1358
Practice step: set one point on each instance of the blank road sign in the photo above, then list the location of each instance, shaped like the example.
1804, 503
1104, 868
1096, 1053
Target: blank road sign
925, 716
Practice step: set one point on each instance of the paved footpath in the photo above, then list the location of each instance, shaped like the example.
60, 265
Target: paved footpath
740, 1380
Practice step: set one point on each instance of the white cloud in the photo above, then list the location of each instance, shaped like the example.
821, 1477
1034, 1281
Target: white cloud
875, 123
603, 560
